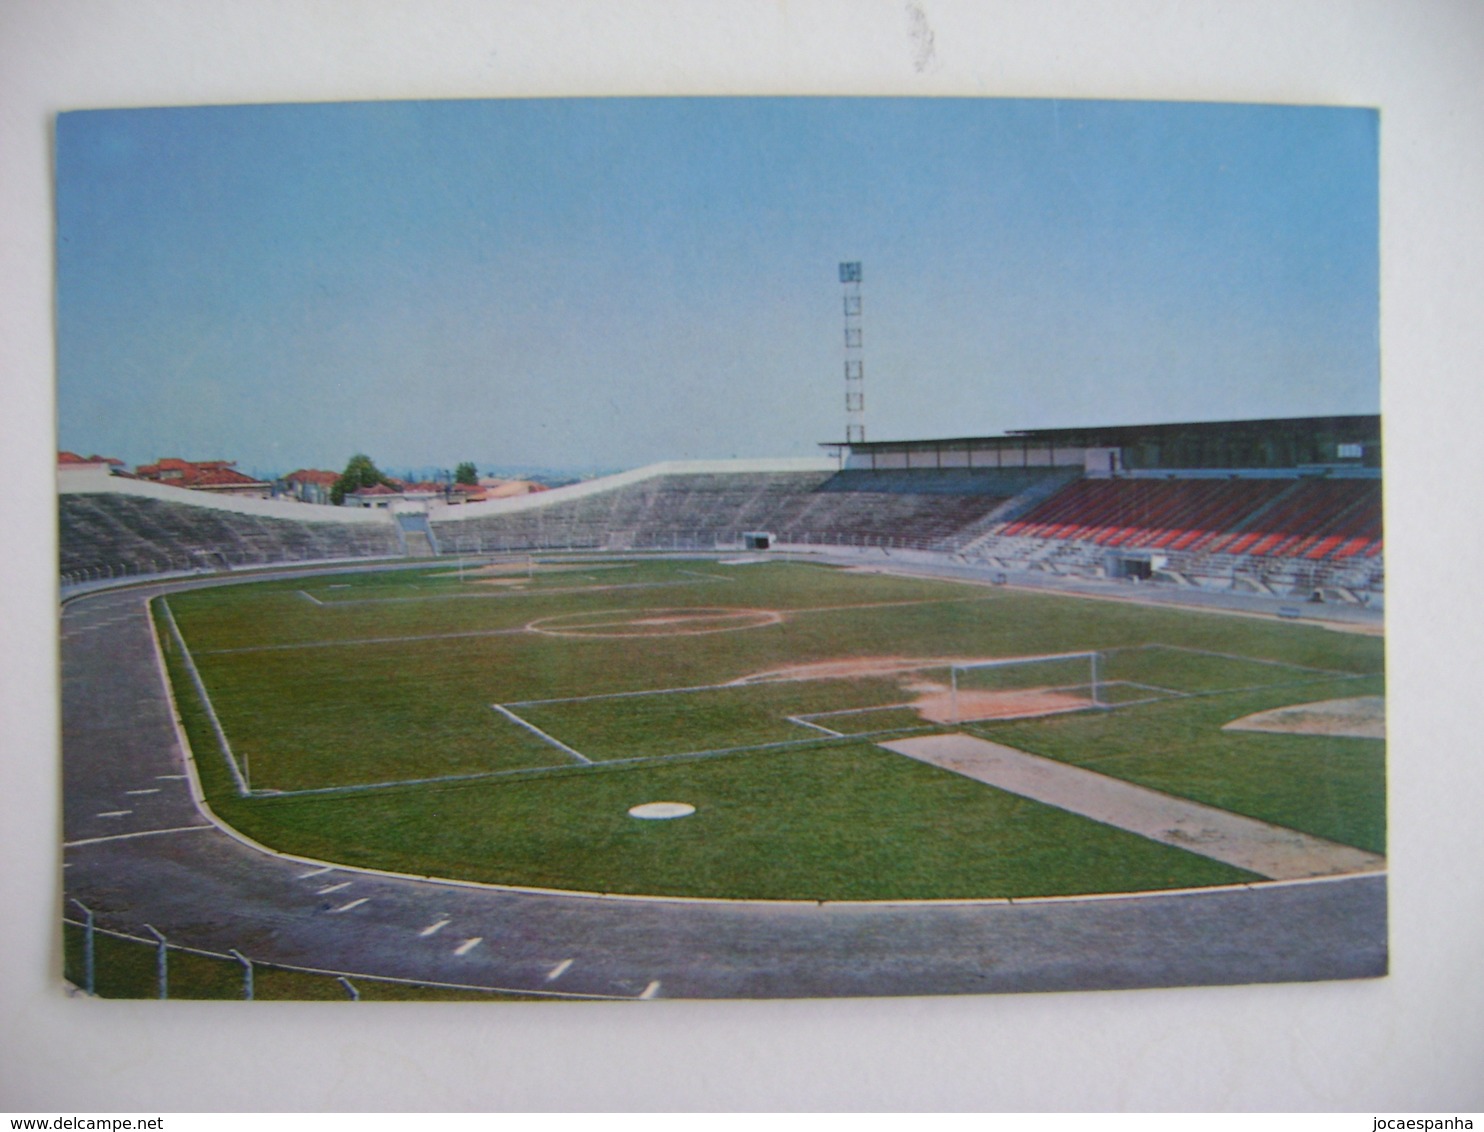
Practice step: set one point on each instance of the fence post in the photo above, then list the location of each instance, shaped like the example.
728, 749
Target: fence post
162, 963
246, 972
88, 968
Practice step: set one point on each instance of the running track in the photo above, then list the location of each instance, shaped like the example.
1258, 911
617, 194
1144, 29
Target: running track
138, 850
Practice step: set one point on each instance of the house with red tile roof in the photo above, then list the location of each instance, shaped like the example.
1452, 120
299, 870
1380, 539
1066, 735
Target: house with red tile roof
79, 471
310, 485
219, 477
377, 496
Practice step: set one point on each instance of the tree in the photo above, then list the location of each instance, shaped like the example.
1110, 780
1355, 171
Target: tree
359, 473
465, 473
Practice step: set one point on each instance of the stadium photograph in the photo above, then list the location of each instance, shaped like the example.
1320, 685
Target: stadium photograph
719, 548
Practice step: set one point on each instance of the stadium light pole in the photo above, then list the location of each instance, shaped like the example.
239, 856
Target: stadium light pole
855, 372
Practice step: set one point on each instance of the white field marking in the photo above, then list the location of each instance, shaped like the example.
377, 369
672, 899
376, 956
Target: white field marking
329, 888
434, 928
352, 904
171, 777
633, 760
709, 577
315, 873
230, 832
802, 722
891, 604
468, 945
622, 695
128, 836
848, 711
744, 682
733, 750
526, 628
1303, 683
307, 596
151, 790
626, 617
734, 621
661, 811
472, 776
531, 727
113, 813
496, 594
651, 990
558, 971
216, 724
368, 641
1231, 656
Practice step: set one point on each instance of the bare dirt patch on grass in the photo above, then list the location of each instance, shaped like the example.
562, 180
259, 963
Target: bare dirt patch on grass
972, 707
1359, 717
934, 700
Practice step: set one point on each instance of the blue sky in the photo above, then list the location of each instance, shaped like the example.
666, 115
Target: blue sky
605, 283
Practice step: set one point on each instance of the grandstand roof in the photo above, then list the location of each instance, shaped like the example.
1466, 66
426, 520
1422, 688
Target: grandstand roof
1363, 426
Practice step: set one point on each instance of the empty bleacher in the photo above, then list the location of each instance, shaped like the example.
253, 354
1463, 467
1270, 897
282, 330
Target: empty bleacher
1313, 518
918, 509
112, 534
1316, 519
680, 510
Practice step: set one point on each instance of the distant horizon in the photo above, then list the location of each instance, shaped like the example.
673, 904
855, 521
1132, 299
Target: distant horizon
607, 283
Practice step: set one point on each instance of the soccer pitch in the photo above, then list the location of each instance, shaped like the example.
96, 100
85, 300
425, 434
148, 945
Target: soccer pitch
498, 724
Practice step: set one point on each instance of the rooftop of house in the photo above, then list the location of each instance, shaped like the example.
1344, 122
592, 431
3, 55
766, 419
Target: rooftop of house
195, 473
313, 475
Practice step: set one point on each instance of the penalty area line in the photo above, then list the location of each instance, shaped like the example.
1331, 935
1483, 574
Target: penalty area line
472, 633
1230, 656
824, 739
531, 727
805, 723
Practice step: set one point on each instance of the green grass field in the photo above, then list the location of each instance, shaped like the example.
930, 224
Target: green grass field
498, 727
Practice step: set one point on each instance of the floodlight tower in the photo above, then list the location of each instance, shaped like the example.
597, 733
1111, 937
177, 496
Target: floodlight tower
855, 366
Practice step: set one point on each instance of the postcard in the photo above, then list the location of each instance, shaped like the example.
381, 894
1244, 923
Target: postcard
719, 548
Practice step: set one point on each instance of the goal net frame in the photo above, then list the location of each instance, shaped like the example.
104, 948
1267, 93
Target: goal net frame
1093, 683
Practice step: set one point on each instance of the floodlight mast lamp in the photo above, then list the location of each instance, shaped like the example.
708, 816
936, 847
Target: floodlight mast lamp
855, 367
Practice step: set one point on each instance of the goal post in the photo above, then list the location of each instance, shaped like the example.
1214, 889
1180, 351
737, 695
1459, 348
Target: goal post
1022, 686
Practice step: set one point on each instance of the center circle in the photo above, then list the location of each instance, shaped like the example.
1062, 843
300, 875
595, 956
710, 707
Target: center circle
662, 811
